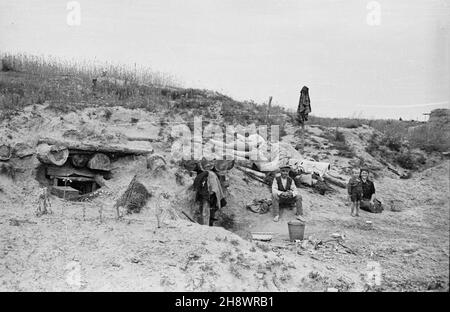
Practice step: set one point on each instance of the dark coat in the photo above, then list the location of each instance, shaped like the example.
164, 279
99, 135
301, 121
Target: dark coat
368, 189
201, 188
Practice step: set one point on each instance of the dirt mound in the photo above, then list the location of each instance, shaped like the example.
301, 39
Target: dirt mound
82, 246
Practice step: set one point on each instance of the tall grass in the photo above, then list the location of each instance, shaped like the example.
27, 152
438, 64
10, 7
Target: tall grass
47, 66
68, 85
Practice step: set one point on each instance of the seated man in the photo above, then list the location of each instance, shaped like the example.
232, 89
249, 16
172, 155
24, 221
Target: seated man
284, 191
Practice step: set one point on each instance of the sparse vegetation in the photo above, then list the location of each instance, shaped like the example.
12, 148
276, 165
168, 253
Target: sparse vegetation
69, 86
395, 150
431, 136
338, 142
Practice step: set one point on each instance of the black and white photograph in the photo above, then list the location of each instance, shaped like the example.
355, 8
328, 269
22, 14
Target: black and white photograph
224, 146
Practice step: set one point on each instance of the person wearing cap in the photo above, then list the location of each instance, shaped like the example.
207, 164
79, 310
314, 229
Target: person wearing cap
284, 191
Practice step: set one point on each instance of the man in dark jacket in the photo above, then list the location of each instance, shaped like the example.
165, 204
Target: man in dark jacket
284, 191
209, 192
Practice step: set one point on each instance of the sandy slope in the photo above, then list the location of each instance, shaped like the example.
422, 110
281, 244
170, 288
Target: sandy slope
72, 249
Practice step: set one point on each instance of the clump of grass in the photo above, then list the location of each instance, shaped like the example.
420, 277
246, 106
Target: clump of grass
263, 247
63, 83
226, 221
108, 114
8, 170
406, 160
338, 141
394, 150
234, 242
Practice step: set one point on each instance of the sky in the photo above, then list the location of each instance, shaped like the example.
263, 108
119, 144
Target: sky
368, 59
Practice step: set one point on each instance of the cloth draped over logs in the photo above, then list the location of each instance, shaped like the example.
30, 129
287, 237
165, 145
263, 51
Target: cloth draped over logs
252, 149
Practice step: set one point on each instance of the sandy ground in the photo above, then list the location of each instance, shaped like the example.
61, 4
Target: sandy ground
83, 247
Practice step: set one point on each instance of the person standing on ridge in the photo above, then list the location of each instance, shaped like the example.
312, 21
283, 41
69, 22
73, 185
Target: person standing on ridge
304, 106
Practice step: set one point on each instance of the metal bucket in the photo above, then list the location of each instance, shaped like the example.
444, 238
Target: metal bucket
296, 229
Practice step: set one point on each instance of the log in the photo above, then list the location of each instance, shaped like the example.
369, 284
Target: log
334, 181
99, 162
252, 175
52, 154
22, 150
67, 171
79, 160
98, 147
251, 171
140, 139
5, 151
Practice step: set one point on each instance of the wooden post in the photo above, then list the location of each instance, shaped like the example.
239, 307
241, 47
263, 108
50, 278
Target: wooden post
268, 110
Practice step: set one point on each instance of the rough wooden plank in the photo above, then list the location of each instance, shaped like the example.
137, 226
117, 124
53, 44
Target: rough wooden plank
66, 192
98, 147
75, 178
68, 171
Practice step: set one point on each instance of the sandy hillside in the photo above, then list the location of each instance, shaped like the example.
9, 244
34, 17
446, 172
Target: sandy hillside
81, 245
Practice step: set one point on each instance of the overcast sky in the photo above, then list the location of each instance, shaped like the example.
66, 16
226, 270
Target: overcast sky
355, 62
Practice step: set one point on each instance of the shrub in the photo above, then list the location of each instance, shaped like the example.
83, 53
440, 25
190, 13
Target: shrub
339, 136
6, 65
338, 141
430, 137
108, 114
406, 160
